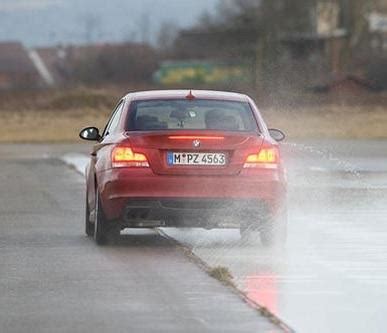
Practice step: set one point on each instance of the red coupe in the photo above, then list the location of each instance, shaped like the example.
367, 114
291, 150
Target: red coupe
185, 158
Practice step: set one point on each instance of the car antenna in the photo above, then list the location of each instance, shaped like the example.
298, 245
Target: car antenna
190, 96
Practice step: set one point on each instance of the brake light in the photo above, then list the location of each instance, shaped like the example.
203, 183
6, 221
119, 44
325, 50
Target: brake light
193, 137
267, 157
125, 157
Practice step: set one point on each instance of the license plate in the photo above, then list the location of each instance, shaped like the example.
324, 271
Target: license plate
214, 159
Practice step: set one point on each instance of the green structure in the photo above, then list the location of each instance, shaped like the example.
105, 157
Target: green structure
198, 72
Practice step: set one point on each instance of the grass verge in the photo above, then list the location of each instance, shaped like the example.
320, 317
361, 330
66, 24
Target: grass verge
49, 125
329, 122
58, 116
334, 122
222, 274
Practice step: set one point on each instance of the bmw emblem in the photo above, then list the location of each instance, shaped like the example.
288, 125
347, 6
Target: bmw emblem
196, 143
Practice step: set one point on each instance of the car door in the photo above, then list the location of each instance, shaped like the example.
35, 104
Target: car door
98, 152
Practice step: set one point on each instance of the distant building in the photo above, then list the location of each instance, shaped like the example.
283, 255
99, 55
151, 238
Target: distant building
381, 6
321, 47
327, 50
378, 26
199, 72
16, 67
63, 65
93, 63
55, 60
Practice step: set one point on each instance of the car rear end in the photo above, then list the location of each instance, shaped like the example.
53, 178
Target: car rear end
192, 161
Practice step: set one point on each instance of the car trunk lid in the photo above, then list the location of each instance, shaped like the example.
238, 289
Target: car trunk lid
159, 145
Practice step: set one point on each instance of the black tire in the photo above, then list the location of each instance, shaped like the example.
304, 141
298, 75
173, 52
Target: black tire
89, 227
100, 223
251, 222
274, 230
249, 231
104, 230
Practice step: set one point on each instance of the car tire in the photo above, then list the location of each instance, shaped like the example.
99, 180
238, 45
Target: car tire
104, 230
89, 227
100, 223
273, 231
248, 232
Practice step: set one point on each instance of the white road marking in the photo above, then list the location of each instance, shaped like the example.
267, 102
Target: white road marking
78, 161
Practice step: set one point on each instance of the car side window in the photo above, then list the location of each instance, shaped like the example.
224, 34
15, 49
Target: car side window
114, 119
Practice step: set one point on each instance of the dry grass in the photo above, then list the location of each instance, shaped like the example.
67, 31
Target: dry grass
341, 122
222, 274
53, 116
59, 115
48, 126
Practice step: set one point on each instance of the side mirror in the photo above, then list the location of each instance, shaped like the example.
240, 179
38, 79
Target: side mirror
90, 133
276, 134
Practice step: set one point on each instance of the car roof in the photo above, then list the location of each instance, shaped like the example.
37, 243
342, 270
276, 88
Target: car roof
183, 93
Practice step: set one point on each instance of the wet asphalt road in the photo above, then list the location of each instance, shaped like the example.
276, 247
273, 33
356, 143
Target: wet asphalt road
54, 279
330, 277
332, 274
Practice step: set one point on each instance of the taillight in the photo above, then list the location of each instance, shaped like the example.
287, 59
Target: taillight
267, 157
193, 137
125, 157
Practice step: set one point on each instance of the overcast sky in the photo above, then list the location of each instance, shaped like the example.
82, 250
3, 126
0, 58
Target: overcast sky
47, 22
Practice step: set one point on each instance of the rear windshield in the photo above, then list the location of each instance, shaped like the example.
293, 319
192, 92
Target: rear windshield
192, 114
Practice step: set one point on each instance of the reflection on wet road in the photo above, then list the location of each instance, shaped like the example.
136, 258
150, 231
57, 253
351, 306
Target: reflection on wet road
332, 275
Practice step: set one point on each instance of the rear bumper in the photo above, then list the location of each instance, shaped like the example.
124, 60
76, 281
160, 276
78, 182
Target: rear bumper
160, 197
190, 212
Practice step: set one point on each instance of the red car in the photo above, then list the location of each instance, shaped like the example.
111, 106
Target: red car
186, 159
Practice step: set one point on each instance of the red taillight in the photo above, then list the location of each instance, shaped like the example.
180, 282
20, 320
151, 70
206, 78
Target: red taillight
267, 157
125, 157
193, 137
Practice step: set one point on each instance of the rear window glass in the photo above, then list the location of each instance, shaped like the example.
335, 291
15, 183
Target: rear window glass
192, 114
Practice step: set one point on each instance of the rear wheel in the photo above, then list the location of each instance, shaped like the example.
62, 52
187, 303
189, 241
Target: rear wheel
104, 229
271, 230
274, 230
100, 223
89, 227
249, 232
250, 226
